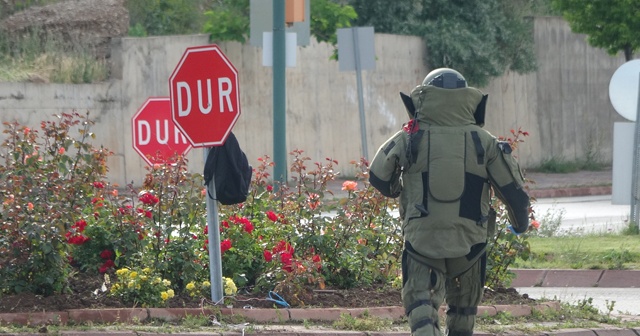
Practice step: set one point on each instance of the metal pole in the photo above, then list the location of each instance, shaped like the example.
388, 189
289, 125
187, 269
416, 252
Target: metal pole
279, 93
215, 257
635, 184
363, 124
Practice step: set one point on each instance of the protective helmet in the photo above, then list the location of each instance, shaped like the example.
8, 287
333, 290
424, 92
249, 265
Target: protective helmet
445, 78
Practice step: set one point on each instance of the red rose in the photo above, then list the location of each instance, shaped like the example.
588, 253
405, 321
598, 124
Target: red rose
225, 245
272, 216
106, 254
248, 227
268, 256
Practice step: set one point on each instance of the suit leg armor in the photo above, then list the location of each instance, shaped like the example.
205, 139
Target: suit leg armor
464, 294
422, 294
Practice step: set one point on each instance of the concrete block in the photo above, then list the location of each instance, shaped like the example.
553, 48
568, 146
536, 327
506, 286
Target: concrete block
108, 315
260, 314
573, 332
572, 278
316, 314
620, 279
391, 313
615, 332
528, 277
487, 311
514, 310
34, 318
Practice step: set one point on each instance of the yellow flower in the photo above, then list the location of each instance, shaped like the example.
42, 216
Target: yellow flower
191, 286
166, 282
133, 275
146, 270
122, 272
206, 284
171, 293
144, 277
229, 287
164, 296
156, 280
115, 287
131, 284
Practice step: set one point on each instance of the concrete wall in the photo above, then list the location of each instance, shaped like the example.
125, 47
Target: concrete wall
564, 105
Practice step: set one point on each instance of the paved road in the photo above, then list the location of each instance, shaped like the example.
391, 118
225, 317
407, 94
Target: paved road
586, 214
626, 299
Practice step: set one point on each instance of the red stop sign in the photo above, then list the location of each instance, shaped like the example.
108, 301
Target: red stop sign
155, 137
205, 100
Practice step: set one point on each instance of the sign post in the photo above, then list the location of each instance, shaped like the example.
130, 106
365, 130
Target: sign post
155, 136
624, 93
205, 104
356, 51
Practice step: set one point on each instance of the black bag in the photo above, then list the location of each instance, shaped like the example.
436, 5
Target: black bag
232, 172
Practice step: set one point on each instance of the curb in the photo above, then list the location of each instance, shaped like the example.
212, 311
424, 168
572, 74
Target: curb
570, 192
576, 278
258, 315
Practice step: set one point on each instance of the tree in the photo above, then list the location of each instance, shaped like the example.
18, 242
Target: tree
228, 20
481, 39
612, 25
164, 17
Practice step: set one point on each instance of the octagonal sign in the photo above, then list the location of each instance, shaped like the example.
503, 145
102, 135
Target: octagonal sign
155, 136
205, 100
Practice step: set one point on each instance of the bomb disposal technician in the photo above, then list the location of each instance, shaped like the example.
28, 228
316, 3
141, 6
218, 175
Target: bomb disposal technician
443, 166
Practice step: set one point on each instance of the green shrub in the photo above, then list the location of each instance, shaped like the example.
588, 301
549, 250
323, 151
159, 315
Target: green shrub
59, 212
45, 182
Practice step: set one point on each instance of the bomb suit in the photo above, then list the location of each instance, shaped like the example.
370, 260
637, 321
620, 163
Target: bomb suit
443, 166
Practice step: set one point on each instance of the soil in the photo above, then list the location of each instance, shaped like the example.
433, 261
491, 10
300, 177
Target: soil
83, 289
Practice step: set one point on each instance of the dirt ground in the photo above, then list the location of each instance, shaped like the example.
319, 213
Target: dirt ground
82, 296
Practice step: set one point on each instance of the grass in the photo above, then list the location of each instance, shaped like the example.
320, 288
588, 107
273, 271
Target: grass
596, 251
559, 165
39, 57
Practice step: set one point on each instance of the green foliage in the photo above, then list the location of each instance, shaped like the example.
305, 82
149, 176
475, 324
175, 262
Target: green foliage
362, 323
7, 8
610, 24
563, 166
165, 17
481, 39
305, 240
549, 223
49, 56
228, 20
390, 17
505, 246
632, 229
45, 181
608, 251
61, 216
174, 198
328, 16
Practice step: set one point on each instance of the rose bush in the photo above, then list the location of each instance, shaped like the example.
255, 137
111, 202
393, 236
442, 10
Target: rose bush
60, 215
